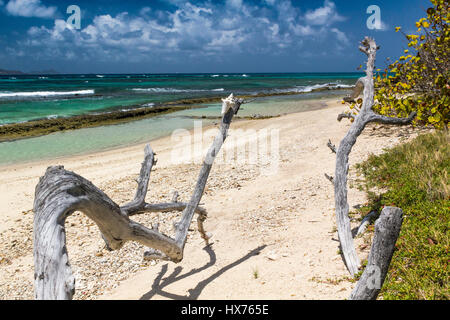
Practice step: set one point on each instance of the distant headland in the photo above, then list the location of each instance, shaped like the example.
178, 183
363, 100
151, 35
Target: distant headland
16, 72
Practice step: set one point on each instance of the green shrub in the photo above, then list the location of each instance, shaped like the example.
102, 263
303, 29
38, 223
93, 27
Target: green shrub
414, 177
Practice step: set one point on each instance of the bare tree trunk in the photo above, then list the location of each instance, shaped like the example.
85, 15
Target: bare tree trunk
387, 230
59, 193
365, 223
365, 116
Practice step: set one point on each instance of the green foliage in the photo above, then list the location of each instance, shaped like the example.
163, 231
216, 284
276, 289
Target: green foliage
414, 177
424, 72
419, 80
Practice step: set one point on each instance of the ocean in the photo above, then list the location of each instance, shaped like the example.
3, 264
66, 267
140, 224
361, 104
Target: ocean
30, 97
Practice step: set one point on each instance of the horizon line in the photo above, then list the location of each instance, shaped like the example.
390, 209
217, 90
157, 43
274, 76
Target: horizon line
174, 73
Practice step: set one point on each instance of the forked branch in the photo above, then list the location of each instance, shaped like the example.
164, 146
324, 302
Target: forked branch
365, 116
60, 193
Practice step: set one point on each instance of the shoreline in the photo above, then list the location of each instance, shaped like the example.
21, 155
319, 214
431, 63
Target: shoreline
320, 104
40, 127
116, 149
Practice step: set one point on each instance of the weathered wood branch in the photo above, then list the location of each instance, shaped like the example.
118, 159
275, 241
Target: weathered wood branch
151, 253
166, 207
345, 115
387, 230
365, 223
230, 106
365, 116
394, 121
342, 157
60, 193
138, 202
329, 178
331, 146
175, 196
359, 87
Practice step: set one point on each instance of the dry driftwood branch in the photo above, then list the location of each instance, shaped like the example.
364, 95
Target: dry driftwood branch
331, 146
175, 196
60, 193
365, 116
329, 178
387, 230
138, 202
359, 87
365, 222
345, 115
230, 106
395, 121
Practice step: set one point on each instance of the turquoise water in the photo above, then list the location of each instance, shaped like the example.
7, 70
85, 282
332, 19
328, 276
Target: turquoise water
28, 97
88, 140
24, 98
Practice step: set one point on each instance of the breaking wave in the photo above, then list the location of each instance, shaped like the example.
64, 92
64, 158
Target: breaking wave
44, 93
316, 87
172, 90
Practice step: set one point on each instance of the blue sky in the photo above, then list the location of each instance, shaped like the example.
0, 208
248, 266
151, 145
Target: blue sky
157, 36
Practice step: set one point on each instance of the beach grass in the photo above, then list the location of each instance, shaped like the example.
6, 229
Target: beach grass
415, 177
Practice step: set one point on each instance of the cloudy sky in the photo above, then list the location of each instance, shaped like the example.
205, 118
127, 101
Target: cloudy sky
157, 36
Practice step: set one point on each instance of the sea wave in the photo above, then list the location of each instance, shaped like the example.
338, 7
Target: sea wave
173, 90
316, 87
44, 93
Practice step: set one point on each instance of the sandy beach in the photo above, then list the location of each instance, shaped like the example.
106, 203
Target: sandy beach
274, 235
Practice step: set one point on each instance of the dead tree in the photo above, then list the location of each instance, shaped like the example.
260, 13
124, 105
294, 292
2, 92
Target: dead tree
365, 115
60, 193
387, 230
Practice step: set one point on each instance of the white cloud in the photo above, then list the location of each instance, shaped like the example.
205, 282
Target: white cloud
325, 15
30, 8
341, 36
203, 29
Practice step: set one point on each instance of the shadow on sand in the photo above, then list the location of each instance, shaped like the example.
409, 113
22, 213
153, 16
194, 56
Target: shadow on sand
159, 284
